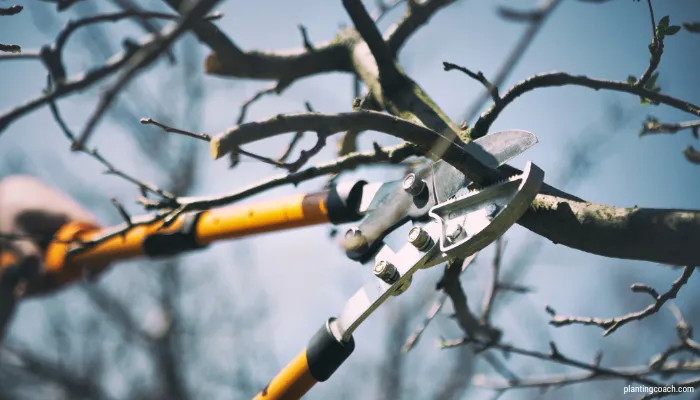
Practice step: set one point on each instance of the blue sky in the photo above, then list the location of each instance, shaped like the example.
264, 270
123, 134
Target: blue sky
599, 129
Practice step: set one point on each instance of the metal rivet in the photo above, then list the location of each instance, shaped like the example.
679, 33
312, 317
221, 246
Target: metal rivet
492, 210
454, 232
404, 286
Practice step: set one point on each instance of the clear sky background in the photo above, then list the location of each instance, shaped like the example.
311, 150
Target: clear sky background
589, 146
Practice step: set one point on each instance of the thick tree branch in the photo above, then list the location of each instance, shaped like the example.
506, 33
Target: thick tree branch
428, 140
389, 74
284, 67
647, 234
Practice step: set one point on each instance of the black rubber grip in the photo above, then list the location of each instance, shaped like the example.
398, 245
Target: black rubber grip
172, 243
325, 353
342, 210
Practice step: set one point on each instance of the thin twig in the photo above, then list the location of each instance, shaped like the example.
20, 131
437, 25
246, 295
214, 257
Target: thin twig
145, 56
656, 50
652, 126
111, 169
257, 96
479, 76
612, 324
557, 79
492, 289
170, 129
554, 356
512, 61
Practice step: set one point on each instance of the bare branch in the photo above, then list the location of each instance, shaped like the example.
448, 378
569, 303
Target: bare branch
513, 58
392, 155
144, 56
479, 76
329, 124
612, 324
257, 96
11, 10
648, 234
10, 48
469, 323
170, 129
111, 169
417, 15
69, 86
389, 74
692, 155
652, 126
656, 50
556, 356
433, 311
560, 380
492, 289
20, 56
555, 79
305, 38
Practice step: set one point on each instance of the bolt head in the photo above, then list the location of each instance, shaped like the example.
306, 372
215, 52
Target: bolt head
418, 237
385, 271
413, 185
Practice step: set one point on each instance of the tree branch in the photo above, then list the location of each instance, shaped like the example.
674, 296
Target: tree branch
417, 15
536, 20
428, 140
389, 74
657, 235
144, 56
392, 155
652, 126
612, 324
479, 76
556, 356
555, 79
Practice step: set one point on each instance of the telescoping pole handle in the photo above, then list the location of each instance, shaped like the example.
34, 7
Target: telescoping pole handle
321, 358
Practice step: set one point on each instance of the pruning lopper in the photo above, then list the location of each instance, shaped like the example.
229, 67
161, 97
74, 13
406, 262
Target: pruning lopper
459, 227
449, 220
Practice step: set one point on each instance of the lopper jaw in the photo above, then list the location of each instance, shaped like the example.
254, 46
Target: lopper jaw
459, 227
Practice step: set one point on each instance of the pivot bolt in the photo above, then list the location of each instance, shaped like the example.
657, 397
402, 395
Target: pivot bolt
354, 239
386, 271
419, 238
413, 185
